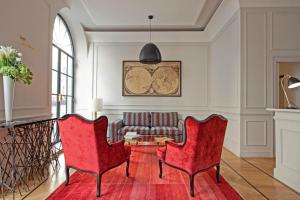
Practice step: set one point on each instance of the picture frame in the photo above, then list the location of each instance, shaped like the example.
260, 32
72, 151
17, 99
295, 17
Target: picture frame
156, 80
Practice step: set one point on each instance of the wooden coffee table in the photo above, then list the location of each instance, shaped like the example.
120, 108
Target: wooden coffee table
148, 140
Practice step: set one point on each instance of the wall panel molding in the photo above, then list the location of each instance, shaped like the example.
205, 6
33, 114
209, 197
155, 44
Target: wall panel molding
261, 140
247, 59
280, 34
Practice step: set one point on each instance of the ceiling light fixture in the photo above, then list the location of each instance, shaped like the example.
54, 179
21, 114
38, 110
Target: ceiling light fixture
150, 53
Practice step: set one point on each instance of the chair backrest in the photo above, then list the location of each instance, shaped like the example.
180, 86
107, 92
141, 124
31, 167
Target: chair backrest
82, 141
136, 119
204, 139
168, 119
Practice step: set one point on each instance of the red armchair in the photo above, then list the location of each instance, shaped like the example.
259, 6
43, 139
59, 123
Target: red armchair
86, 149
201, 150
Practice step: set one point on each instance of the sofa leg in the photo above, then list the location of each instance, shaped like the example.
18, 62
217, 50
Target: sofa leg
127, 167
218, 173
67, 170
98, 189
192, 184
160, 168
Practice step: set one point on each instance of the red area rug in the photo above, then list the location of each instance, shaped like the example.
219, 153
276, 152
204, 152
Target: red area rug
144, 182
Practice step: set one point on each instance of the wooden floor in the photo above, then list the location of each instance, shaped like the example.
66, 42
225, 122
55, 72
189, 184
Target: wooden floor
251, 177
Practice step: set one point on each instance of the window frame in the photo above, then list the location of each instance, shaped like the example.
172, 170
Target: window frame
58, 70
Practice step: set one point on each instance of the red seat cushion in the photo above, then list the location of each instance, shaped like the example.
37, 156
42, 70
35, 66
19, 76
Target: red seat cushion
161, 153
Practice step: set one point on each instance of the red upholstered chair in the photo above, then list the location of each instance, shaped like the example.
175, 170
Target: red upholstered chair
201, 150
86, 149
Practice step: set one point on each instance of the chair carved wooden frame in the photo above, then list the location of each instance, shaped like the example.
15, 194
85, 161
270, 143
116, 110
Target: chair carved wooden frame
204, 143
87, 156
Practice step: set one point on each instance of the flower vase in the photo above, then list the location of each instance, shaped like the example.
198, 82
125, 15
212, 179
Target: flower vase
8, 88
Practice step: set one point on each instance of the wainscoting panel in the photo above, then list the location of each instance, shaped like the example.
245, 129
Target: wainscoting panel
257, 135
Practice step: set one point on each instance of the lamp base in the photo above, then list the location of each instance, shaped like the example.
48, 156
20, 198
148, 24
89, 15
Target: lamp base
94, 115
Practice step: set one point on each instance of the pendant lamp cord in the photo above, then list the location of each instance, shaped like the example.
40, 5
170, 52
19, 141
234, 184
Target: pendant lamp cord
150, 28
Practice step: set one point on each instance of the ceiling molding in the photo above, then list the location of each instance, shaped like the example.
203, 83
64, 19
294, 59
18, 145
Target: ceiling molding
207, 12
269, 3
178, 37
144, 29
83, 3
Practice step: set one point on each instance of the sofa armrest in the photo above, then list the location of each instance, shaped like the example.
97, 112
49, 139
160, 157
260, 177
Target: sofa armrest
113, 130
181, 128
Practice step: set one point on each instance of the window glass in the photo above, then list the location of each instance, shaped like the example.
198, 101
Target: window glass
61, 36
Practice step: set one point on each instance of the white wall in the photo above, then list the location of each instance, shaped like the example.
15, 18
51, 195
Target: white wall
224, 82
269, 35
32, 20
108, 58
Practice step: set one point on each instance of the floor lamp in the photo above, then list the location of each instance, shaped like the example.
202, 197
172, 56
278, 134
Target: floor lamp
96, 106
292, 83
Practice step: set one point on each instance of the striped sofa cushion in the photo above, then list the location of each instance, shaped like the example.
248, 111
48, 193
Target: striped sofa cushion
169, 119
136, 119
167, 131
143, 130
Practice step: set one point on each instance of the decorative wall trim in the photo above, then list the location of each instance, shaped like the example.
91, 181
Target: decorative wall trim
26, 108
247, 122
28, 116
247, 13
281, 12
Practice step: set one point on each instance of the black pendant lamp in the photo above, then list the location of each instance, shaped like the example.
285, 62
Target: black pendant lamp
150, 53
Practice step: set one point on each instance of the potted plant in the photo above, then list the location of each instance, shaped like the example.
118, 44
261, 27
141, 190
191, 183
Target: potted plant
13, 70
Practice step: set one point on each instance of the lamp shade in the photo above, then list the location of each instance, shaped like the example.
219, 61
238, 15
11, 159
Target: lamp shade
150, 54
96, 105
293, 82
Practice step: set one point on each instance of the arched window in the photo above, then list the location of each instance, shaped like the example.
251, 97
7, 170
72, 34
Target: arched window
62, 72
62, 69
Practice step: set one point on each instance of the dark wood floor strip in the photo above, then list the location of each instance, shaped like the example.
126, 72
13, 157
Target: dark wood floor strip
245, 179
270, 175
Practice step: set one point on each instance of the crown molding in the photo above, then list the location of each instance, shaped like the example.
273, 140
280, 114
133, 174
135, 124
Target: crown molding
269, 3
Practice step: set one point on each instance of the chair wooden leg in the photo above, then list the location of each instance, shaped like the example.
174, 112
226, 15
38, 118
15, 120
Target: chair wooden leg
98, 185
160, 168
218, 173
192, 184
127, 167
67, 170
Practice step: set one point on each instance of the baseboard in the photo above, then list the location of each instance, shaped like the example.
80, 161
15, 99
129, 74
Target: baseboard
232, 146
257, 154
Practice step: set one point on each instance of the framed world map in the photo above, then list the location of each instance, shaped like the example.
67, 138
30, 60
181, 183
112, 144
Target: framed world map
163, 79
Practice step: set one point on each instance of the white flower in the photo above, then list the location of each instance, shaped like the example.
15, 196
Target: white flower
20, 54
18, 59
6, 50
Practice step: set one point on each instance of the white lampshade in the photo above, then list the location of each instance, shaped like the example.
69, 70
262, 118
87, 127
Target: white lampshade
96, 104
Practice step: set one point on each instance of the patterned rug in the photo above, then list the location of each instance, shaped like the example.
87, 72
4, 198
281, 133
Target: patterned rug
144, 182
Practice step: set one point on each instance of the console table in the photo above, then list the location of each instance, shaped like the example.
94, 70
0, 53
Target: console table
25, 155
287, 137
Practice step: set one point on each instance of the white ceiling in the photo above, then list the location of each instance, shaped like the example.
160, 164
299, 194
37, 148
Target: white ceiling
101, 15
135, 12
